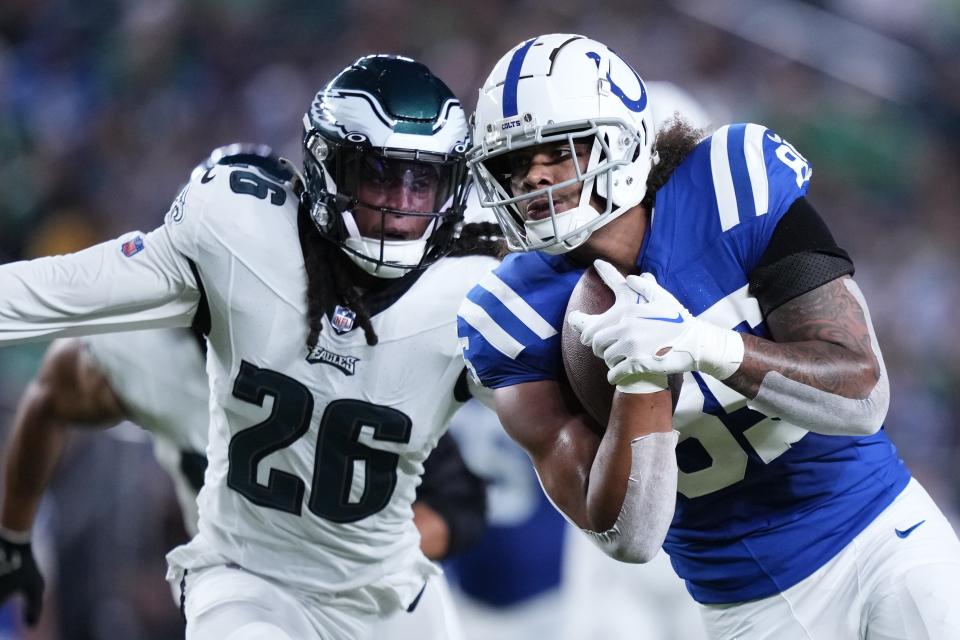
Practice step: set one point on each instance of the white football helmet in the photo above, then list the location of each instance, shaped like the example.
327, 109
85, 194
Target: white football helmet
385, 119
562, 88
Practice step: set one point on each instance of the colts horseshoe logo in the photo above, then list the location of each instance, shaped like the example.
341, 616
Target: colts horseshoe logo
637, 105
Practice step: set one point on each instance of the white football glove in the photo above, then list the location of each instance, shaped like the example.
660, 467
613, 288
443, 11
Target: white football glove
647, 331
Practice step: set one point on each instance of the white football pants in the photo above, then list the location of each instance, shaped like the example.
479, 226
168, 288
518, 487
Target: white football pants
228, 603
899, 579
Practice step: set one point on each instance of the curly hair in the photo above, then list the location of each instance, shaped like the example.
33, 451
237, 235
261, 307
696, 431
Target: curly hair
673, 144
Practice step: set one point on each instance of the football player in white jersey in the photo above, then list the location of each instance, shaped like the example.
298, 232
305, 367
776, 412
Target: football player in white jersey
156, 379
332, 353
97, 382
784, 504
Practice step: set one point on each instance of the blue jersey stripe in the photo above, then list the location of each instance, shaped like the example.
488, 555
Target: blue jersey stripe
510, 108
502, 317
739, 172
478, 318
518, 306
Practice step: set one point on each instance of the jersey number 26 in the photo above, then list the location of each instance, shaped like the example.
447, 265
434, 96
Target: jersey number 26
339, 454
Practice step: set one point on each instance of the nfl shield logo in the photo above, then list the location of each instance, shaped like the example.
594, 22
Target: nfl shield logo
132, 247
342, 320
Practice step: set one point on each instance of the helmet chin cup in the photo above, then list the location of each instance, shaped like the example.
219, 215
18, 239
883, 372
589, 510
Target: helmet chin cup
383, 258
567, 230
562, 246
398, 255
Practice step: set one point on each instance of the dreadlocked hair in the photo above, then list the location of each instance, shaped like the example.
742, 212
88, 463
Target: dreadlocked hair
479, 239
673, 144
328, 281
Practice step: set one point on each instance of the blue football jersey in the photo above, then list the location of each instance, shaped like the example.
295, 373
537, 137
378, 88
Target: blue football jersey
761, 503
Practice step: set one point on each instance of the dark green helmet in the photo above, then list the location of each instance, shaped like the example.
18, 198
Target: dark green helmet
384, 153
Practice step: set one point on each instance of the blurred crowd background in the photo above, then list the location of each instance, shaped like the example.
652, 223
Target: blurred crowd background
106, 105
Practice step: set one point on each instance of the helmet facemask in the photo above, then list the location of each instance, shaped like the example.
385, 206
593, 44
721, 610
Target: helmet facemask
562, 89
362, 182
565, 230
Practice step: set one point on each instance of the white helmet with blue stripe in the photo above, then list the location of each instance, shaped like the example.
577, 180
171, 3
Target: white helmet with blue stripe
553, 89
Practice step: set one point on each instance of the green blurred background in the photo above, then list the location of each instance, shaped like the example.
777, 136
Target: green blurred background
105, 106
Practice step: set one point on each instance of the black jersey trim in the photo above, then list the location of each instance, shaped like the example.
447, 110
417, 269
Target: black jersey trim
801, 229
193, 466
183, 595
416, 601
201, 319
270, 165
461, 390
380, 298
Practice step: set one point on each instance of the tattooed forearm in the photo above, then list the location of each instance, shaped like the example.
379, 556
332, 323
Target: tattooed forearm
820, 339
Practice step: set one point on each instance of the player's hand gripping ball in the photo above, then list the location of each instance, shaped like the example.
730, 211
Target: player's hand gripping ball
587, 373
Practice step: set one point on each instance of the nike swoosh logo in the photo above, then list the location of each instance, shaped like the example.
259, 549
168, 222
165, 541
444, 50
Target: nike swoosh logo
207, 176
677, 320
906, 532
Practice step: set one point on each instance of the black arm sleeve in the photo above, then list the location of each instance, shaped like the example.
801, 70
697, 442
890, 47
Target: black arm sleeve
454, 492
802, 255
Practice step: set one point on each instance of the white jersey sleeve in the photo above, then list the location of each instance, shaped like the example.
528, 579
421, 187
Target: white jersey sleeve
160, 380
137, 281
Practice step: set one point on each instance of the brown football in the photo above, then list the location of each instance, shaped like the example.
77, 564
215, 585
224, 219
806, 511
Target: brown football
586, 373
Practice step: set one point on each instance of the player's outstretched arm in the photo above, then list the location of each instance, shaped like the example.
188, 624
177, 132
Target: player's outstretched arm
619, 488
137, 281
68, 390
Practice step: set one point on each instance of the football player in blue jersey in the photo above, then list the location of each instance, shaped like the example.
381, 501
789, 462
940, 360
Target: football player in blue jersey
793, 515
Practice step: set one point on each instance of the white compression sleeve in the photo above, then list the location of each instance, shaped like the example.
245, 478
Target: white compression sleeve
649, 503
821, 411
98, 290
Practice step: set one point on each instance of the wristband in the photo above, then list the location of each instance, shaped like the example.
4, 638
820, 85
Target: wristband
643, 383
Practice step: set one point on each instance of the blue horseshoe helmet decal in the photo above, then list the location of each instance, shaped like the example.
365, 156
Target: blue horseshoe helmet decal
637, 105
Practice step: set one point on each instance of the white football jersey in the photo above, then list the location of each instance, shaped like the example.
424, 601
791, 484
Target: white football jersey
314, 456
158, 376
